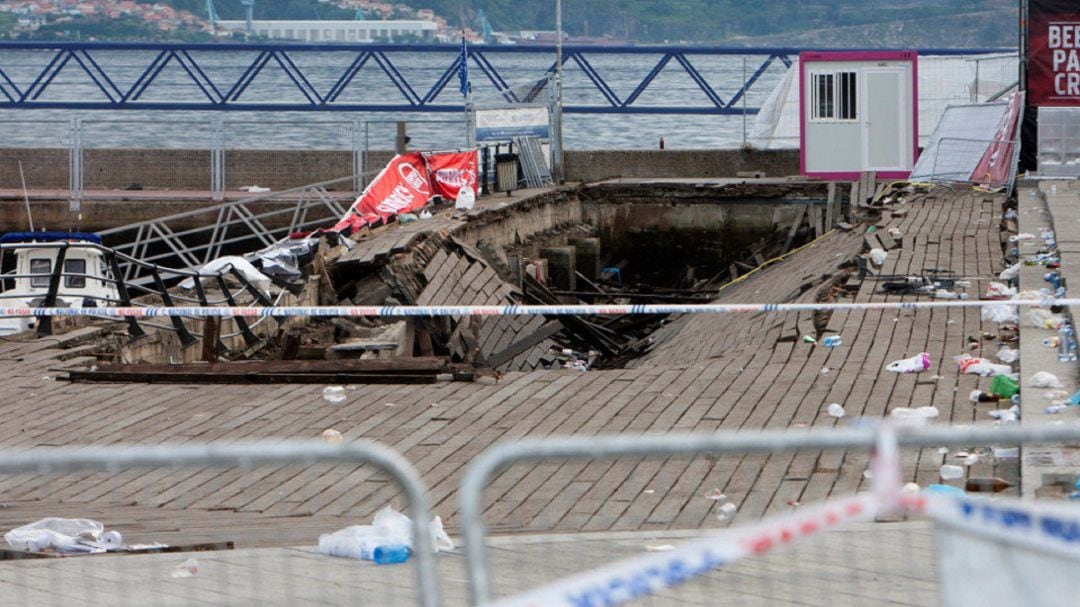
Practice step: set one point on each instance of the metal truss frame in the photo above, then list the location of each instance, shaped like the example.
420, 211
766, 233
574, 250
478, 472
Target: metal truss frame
228, 94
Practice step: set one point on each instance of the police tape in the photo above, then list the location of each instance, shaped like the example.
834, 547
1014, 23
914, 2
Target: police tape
649, 573
1053, 528
516, 310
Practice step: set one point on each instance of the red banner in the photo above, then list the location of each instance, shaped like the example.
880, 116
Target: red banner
452, 171
995, 167
1053, 53
401, 187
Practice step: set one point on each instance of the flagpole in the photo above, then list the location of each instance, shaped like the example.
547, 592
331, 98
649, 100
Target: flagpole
466, 90
557, 155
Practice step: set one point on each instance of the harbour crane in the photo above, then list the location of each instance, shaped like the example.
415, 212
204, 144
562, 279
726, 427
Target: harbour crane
249, 6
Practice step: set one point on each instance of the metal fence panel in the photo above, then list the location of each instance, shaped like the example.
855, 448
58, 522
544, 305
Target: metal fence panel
248, 575
662, 487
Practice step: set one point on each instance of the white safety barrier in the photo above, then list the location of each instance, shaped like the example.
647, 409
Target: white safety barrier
523, 310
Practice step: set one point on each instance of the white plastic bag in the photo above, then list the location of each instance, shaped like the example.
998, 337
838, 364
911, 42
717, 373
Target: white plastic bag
1010, 272
878, 256
1000, 313
1008, 355
466, 199
388, 528
997, 289
60, 534
1044, 379
1044, 319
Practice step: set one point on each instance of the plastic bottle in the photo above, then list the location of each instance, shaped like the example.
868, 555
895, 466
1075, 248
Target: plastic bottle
390, 555
986, 485
1066, 347
832, 341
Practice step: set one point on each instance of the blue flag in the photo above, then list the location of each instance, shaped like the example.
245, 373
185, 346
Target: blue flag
463, 68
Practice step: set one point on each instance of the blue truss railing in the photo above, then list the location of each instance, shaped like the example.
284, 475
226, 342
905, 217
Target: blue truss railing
380, 78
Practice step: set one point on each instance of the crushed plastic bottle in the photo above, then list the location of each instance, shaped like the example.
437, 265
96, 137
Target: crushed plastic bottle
334, 394
832, 341
835, 410
1066, 346
727, 511
391, 555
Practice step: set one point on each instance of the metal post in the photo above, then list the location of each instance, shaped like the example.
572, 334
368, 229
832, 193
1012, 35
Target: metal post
75, 165
357, 157
557, 140
217, 158
745, 91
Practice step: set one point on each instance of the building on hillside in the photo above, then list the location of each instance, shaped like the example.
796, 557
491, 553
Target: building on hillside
338, 31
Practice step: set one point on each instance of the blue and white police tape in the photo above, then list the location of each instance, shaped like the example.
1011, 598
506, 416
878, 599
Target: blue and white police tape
518, 310
646, 574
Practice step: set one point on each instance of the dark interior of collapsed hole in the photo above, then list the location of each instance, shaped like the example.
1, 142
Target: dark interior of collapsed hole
618, 244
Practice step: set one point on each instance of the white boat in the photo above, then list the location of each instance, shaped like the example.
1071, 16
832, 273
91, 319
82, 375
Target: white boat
28, 261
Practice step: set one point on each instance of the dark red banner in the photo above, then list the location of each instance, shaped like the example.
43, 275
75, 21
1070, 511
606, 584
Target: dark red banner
452, 171
1053, 53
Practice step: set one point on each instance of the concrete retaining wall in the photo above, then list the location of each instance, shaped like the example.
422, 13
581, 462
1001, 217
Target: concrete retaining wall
47, 168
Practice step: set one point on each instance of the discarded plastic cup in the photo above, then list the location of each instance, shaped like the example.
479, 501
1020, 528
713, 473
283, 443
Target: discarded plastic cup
832, 341
334, 394
332, 437
727, 511
950, 472
835, 410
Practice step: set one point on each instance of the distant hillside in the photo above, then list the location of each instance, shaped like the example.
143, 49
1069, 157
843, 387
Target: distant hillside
264, 9
810, 22
984, 29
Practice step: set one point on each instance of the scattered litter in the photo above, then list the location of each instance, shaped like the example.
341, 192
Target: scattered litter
868, 474
225, 264
46, 378
943, 450
332, 437
836, 410
949, 472
659, 548
716, 495
1007, 452
896, 233
188, 568
334, 394
793, 503
1058, 408
1000, 314
649, 491
727, 511
1043, 319
390, 530
919, 414
407, 218
997, 290
1010, 273
971, 459
832, 341
1022, 236
425, 214
825, 370
809, 339
944, 489
390, 404
878, 256
983, 367
910, 488
1044, 379
915, 364
1007, 355
61, 535
254, 189
1004, 386
1004, 416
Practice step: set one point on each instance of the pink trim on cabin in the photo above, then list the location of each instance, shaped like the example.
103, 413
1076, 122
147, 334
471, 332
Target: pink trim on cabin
822, 56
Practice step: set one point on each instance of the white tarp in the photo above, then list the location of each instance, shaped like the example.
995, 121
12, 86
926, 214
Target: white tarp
943, 81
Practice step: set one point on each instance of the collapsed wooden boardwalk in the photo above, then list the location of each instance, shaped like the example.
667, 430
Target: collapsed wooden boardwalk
705, 373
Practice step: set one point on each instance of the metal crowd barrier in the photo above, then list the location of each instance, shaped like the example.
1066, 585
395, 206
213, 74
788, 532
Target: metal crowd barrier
114, 459
645, 574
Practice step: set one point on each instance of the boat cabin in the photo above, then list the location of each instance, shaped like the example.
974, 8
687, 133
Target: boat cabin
28, 262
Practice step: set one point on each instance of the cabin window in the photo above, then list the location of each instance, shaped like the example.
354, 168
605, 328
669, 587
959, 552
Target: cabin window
834, 96
42, 270
78, 267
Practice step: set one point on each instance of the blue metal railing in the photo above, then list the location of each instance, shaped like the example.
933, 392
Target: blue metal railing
177, 76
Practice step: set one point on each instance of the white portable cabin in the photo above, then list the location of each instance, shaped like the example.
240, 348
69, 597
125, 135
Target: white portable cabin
858, 113
85, 279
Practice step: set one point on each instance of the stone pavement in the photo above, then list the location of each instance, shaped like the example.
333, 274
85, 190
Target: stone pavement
863, 565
